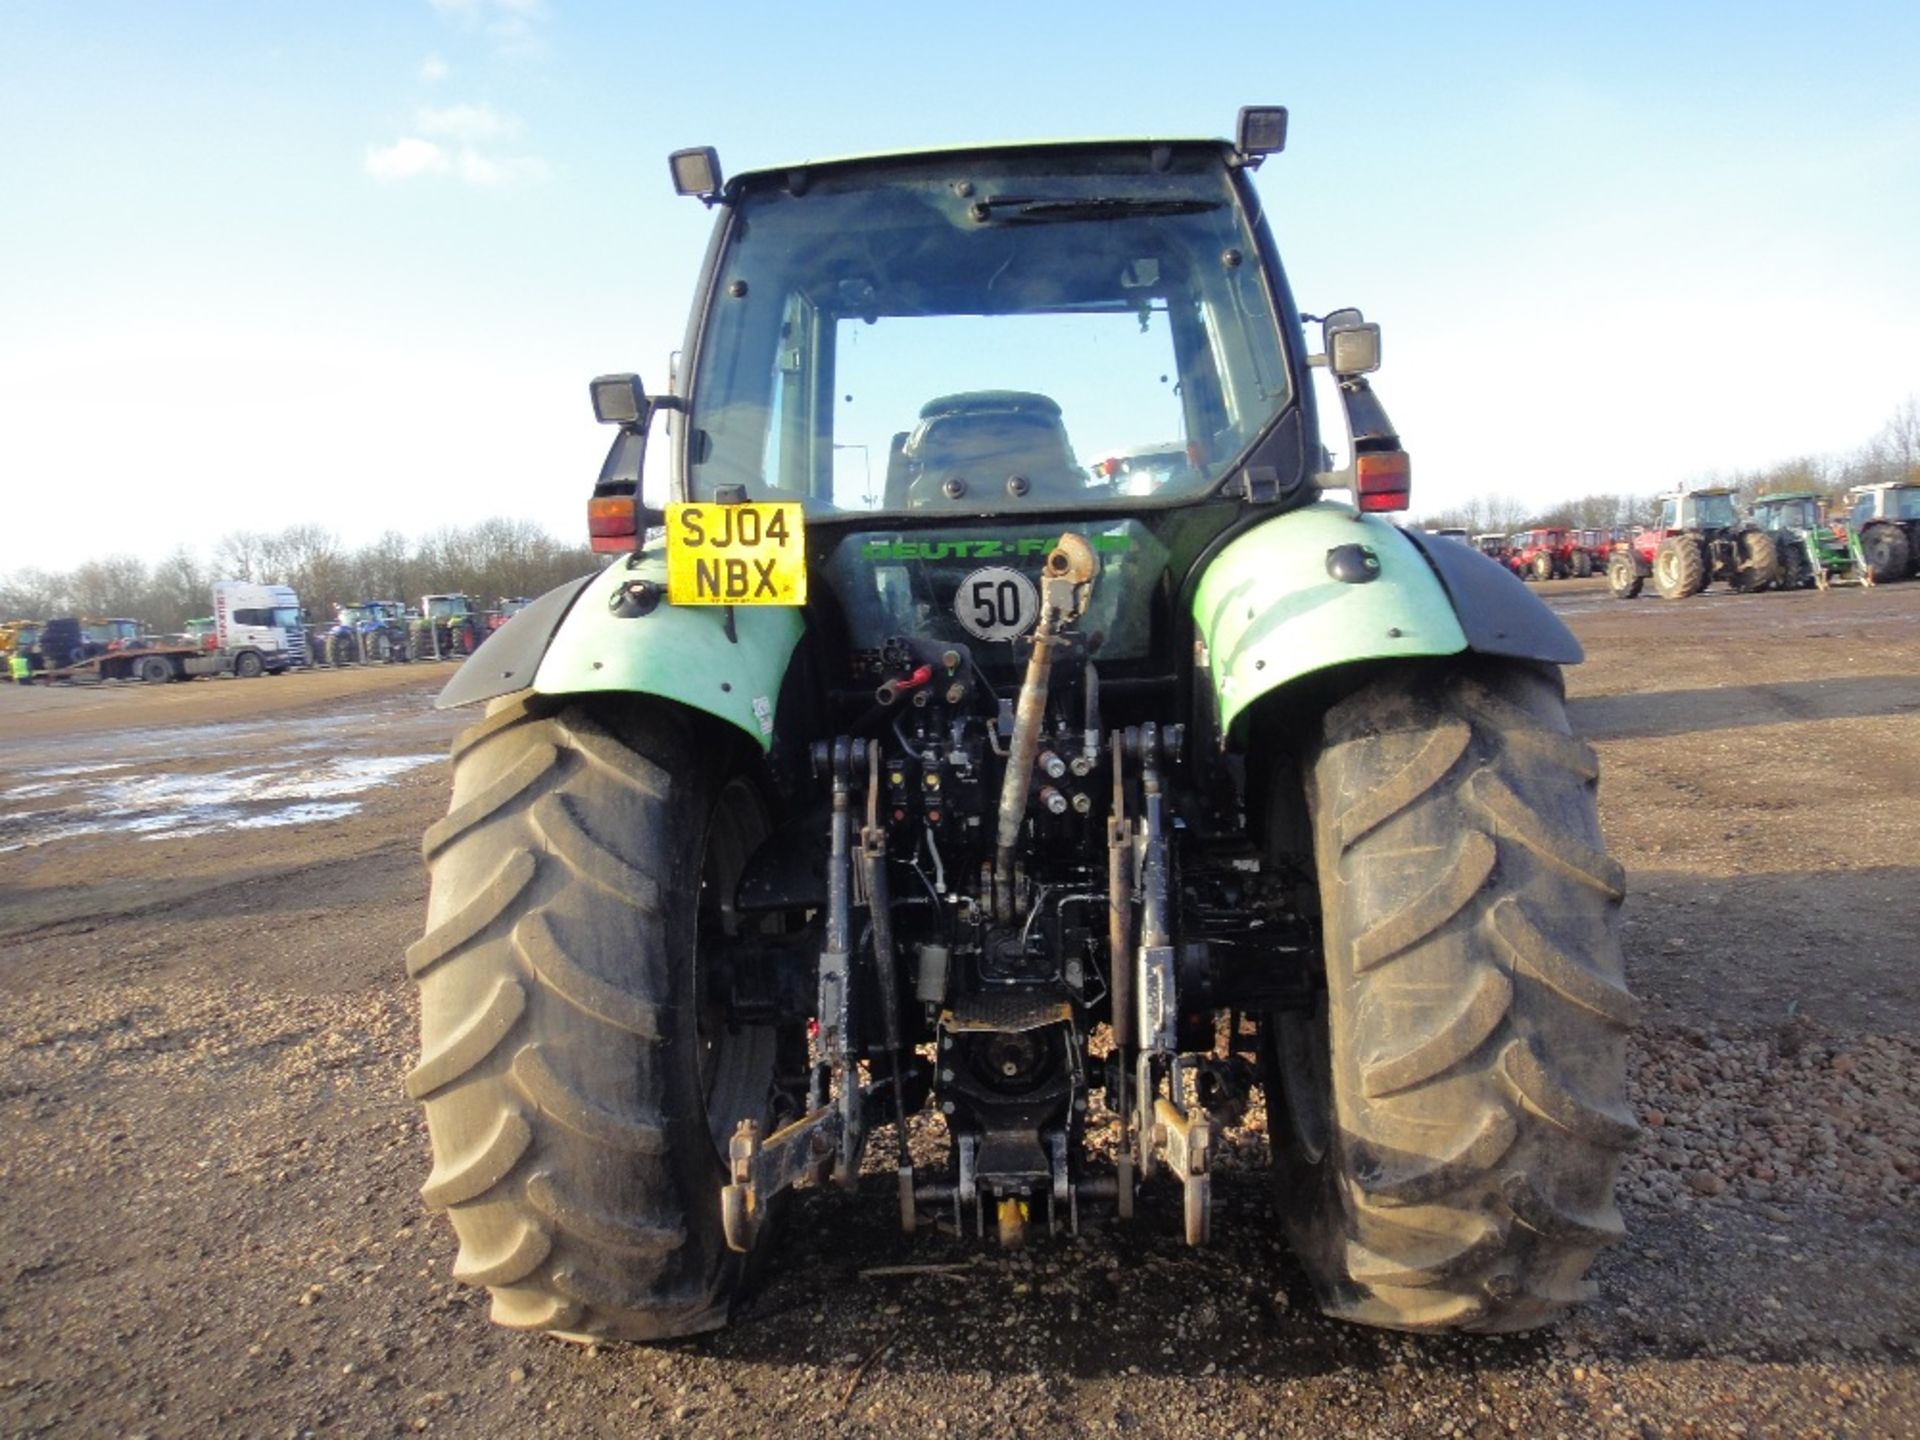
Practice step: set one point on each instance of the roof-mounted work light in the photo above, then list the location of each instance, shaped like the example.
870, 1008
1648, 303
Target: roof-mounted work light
696, 172
1261, 131
620, 400
1354, 350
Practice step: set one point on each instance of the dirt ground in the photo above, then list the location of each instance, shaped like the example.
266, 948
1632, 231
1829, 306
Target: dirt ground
209, 1219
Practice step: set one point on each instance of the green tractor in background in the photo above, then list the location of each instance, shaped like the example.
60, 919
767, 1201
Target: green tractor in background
1809, 551
448, 627
1013, 799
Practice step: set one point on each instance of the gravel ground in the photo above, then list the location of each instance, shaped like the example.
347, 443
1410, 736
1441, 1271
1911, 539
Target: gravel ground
211, 1221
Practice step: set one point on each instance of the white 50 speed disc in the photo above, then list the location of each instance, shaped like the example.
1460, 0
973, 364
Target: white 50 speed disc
997, 603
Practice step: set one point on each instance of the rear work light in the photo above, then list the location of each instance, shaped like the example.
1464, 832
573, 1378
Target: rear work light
613, 523
1383, 480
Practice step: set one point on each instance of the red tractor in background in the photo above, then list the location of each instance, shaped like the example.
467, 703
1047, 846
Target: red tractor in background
504, 609
1698, 540
1598, 546
1550, 553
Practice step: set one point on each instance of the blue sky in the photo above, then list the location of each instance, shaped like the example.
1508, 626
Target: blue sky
355, 263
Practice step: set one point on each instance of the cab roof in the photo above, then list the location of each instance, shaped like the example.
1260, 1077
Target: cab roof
995, 147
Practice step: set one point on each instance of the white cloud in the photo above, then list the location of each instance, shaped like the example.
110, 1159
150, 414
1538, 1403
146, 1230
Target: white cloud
433, 69
413, 157
512, 25
406, 159
467, 122
493, 172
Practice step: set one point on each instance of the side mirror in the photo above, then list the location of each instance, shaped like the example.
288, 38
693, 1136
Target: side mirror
1344, 318
616, 518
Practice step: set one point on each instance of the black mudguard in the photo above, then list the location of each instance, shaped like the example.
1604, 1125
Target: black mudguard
510, 657
1496, 610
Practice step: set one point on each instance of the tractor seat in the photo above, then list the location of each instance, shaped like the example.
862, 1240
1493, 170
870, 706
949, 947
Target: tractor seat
968, 450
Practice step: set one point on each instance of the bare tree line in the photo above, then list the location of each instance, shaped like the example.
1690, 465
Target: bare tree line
488, 560
1892, 454
501, 557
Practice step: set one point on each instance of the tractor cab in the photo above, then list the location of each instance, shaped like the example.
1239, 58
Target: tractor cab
447, 607
1798, 511
1889, 500
1697, 510
114, 634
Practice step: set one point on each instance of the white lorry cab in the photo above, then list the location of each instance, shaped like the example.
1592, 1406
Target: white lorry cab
262, 620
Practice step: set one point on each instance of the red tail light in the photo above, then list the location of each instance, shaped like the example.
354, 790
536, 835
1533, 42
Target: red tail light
613, 522
1383, 480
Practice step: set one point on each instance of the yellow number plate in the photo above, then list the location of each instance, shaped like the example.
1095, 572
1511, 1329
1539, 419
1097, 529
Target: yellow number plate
736, 554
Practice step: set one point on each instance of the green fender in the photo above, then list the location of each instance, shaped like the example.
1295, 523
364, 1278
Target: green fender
680, 652
1270, 609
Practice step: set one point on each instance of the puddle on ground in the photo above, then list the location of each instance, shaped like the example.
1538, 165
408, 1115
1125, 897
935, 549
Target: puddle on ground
106, 800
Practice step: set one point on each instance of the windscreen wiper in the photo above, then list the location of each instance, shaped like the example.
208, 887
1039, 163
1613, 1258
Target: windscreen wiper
1028, 210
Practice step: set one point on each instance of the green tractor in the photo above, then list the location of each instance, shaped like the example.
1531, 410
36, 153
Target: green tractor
448, 627
1008, 802
1809, 551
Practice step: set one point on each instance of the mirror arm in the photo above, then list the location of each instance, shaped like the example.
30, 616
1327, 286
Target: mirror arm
1367, 422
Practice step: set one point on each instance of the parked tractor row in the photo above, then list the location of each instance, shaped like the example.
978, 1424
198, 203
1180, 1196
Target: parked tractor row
1549, 552
1783, 541
383, 632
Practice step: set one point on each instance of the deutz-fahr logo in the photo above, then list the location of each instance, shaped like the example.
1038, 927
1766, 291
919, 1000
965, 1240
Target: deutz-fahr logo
1013, 547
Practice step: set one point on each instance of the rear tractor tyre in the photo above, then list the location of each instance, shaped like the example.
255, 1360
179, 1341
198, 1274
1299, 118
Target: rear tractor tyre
1885, 549
1679, 568
1796, 571
1448, 1125
1624, 579
1582, 565
579, 1086
343, 650
1757, 561
1543, 566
